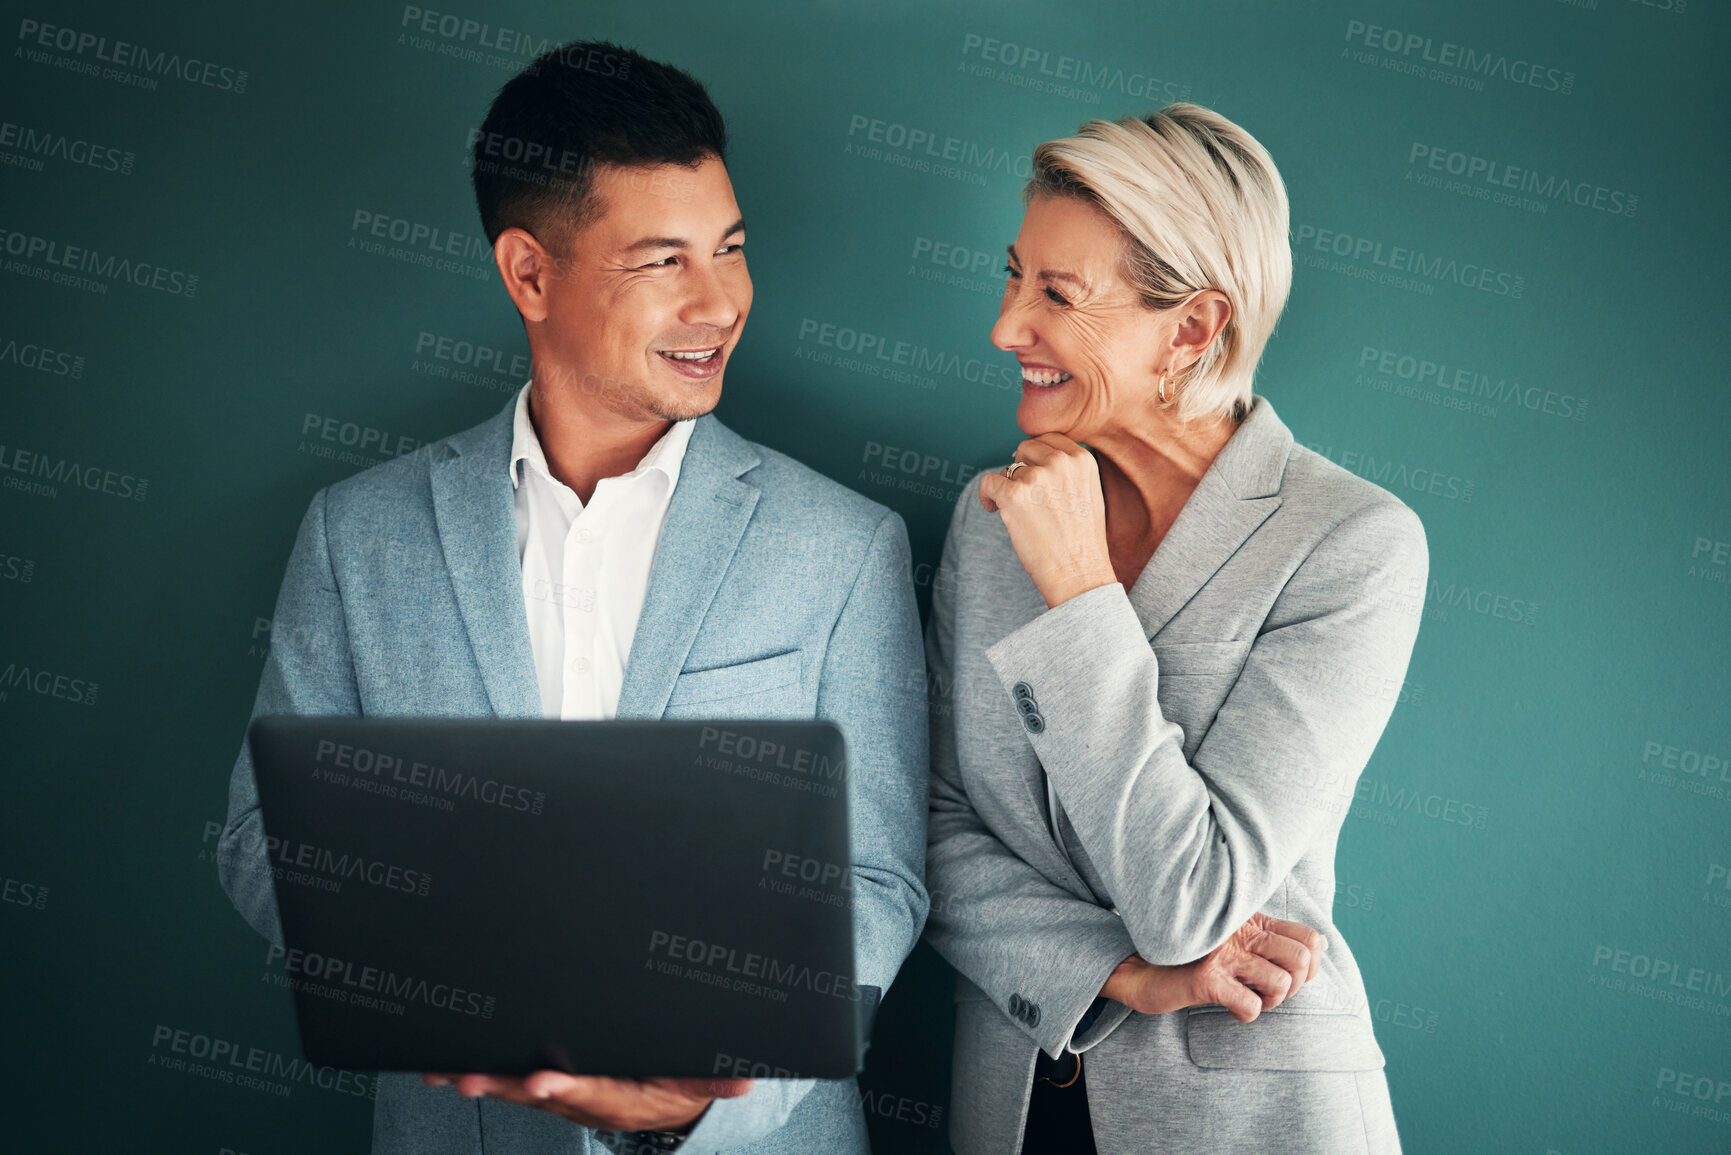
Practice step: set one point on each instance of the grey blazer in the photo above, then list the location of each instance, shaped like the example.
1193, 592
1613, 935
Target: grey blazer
1202, 733
775, 593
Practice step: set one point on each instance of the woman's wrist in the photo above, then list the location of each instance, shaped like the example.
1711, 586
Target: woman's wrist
1074, 584
1168, 990
1143, 986
1117, 983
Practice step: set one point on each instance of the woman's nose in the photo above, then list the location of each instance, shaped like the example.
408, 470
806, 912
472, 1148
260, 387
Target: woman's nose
1011, 330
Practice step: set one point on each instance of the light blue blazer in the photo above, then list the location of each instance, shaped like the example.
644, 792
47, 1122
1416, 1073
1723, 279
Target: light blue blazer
775, 592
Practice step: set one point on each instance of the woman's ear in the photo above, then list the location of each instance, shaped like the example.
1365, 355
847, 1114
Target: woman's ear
1199, 326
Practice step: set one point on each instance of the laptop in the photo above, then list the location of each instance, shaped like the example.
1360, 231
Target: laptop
623, 898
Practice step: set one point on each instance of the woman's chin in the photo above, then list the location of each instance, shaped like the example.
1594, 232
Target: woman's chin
1039, 413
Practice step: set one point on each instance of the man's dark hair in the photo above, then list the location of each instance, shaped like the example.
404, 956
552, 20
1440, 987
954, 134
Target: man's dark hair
583, 104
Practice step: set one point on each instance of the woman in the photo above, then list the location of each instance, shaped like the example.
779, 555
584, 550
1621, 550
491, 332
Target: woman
1166, 658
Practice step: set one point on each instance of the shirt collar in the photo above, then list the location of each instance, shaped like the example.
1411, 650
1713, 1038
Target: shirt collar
666, 455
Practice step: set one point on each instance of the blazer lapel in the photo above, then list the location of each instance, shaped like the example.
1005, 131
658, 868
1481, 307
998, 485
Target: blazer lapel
1236, 495
473, 504
705, 521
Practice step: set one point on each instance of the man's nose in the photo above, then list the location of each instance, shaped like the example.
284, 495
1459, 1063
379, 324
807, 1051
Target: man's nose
712, 301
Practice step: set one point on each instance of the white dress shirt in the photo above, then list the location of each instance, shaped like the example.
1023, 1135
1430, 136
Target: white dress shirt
586, 567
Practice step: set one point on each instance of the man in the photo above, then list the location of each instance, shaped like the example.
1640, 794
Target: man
603, 546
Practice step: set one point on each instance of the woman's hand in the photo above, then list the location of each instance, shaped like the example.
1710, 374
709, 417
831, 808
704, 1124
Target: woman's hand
1263, 964
1056, 515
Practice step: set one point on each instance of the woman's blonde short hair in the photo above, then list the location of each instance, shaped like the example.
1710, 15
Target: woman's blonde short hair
1201, 206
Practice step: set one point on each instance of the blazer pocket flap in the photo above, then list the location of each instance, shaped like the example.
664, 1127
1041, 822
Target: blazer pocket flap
1283, 1041
1178, 659
740, 680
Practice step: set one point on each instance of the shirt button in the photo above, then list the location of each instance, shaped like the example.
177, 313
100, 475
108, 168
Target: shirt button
580, 665
584, 537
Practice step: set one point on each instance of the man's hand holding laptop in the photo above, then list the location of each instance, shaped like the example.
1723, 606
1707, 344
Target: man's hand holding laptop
603, 1103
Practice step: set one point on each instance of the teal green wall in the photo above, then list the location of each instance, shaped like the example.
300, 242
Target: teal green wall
1545, 823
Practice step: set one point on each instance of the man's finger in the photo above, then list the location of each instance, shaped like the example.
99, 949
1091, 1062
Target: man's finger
553, 1085
597, 1101
709, 1088
498, 1086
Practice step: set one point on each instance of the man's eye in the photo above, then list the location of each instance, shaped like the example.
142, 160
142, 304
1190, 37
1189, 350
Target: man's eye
739, 248
664, 262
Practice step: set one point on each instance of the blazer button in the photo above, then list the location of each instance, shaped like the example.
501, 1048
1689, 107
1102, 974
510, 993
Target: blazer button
1033, 1014
1032, 720
1016, 1005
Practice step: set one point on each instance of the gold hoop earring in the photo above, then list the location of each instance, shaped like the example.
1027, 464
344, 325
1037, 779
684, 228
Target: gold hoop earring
1163, 387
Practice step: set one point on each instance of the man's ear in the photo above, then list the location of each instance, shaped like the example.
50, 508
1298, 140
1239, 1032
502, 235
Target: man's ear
527, 270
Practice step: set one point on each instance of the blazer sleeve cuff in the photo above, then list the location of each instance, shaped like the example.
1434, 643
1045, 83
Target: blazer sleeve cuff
1086, 964
1093, 1031
1059, 669
1069, 642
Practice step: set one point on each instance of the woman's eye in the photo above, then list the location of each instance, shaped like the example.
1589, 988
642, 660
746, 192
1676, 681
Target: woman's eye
1011, 271
1056, 297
